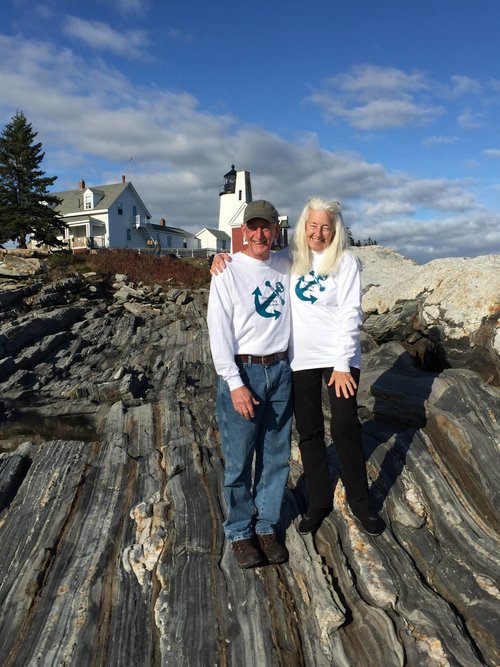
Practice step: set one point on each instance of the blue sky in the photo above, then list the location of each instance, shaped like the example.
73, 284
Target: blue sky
391, 107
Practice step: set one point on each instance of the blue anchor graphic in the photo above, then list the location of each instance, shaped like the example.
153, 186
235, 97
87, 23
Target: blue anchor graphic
302, 286
261, 307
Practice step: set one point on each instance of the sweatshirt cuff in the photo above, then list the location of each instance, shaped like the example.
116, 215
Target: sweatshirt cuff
342, 366
235, 382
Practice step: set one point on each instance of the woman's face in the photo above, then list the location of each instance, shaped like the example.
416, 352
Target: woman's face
319, 230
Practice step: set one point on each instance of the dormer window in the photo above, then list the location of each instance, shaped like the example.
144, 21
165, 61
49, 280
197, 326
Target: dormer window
91, 198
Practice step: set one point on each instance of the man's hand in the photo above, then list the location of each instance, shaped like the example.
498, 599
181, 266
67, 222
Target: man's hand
343, 382
243, 402
219, 263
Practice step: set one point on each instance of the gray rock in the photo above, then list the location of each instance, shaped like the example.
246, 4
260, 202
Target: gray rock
112, 550
15, 265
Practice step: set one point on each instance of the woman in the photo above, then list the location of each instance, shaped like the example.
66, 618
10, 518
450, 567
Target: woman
326, 319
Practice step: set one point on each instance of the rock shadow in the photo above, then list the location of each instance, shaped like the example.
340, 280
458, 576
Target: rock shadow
392, 408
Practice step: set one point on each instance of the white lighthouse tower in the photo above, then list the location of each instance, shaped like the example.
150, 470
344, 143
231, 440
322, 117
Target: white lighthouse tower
234, 195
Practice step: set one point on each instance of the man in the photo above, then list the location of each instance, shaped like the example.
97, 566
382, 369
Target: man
249, 328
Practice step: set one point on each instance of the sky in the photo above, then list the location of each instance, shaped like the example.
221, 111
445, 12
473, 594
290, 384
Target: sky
391, 107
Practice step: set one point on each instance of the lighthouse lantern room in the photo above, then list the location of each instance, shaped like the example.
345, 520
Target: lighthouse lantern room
234, 195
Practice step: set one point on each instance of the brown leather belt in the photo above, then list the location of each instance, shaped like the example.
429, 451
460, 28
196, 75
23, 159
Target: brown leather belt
265, 359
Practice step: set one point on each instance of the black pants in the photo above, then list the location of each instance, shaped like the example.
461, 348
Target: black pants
346, 436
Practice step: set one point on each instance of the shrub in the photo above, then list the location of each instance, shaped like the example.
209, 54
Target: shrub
165, 270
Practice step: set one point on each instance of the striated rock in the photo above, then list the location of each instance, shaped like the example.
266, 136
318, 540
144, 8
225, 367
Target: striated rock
27, 330
10, 295
112, 550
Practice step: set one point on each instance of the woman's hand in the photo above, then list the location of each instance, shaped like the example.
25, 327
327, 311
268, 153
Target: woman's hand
343, 382
219, 263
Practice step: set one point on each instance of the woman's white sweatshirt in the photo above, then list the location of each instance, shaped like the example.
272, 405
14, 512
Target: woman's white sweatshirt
326, 317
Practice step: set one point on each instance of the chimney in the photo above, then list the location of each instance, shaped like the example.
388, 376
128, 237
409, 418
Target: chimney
123, 178
162, 222
82, 184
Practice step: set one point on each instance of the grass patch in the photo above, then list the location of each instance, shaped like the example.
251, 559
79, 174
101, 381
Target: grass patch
166, 270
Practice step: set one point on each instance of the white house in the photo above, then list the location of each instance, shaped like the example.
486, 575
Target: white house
114, 216
214, 240
173, 238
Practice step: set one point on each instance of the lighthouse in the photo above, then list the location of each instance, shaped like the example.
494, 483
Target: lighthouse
234, 195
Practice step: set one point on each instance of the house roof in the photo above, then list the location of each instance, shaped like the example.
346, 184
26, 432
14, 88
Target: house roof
171, 230
222, 236
72, 200
79, 219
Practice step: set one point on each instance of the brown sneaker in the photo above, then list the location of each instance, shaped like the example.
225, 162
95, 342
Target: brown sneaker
246, 554
272, 549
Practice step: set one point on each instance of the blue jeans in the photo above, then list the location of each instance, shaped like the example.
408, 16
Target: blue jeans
254, 505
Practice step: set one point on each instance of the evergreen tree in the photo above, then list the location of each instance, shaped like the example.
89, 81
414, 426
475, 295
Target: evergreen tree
26, 206
358, 243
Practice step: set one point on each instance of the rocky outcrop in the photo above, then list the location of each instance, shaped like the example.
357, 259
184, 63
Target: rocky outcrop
19, 264
112, 550
445, 312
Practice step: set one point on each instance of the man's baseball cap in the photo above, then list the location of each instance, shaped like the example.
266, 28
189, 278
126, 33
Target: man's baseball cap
261, 209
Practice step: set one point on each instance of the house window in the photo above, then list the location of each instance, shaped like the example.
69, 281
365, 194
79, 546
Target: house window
169, 241
88, 202
120, 209
184, 243
222, 245
240, 194
129, 234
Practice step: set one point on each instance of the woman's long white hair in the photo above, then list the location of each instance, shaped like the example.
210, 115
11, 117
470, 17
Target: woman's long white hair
301, 254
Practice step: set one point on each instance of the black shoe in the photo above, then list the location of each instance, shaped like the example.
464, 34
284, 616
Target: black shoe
246, 554
274, 551
372, 524
312, 520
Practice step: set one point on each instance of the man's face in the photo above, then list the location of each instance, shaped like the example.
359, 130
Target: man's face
260, 235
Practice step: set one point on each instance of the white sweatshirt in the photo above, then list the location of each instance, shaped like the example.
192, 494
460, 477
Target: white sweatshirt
326, 317
248, 311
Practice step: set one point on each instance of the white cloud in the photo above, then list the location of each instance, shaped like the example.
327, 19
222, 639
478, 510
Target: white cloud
374, 98
130, 6
367, 81
439, 140
492, 153
471, 164
438, 194
177, 35
426, 239
387, 209
100, 36
464, 85
470, 120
